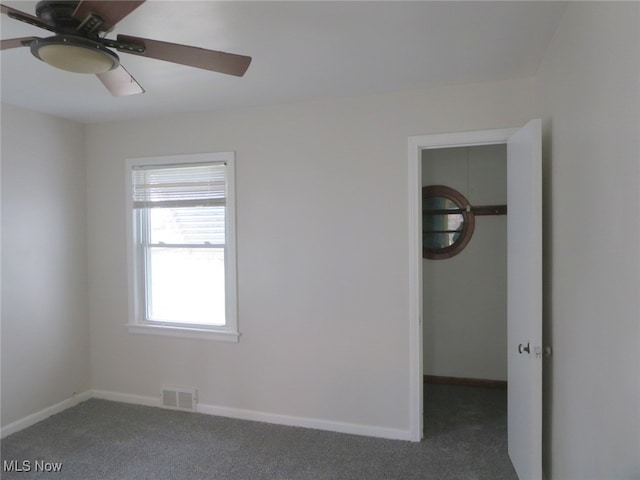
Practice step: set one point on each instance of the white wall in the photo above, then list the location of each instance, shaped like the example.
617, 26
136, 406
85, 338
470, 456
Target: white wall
589, 99
322, 251
322, 244
465, 297
45, 329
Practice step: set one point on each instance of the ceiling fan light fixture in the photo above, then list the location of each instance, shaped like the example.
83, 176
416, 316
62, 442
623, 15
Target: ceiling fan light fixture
75, 54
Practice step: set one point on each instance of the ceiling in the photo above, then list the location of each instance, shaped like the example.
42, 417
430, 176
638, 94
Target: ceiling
302, 50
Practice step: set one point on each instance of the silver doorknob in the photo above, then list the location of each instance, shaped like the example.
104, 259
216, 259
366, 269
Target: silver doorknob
522, 348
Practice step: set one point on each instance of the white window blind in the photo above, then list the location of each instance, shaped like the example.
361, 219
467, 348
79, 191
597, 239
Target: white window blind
186, 204
179, 186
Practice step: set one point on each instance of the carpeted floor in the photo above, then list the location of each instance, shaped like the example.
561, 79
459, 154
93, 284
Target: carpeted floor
465, 439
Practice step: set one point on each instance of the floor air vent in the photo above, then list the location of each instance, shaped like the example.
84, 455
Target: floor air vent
179, 398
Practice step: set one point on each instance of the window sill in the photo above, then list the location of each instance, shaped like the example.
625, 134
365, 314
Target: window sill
184, 332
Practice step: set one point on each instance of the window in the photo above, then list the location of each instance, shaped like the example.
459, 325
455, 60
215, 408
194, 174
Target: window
448, 222
182, 246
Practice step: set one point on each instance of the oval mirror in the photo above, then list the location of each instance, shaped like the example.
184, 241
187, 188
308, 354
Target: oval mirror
447, 222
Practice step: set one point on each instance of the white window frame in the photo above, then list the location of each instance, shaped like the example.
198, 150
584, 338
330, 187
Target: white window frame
136, 275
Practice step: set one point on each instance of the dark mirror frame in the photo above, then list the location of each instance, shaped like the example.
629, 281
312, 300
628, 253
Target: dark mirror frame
468, 225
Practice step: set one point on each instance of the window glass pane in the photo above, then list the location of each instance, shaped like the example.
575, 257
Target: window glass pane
442, 203
187, 225
437, 241
455, 222
186, 285
441, 231
433, 223
443, 223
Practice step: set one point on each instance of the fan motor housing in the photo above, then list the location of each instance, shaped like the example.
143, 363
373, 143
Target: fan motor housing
58, 13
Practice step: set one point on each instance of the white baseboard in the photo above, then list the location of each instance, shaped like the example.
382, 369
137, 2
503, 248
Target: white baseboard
257, 416
43, 414
237, 413
127, 398
306, 422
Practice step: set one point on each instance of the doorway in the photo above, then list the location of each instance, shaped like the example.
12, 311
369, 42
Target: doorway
416, 147
465, 304
524, 270
465, 295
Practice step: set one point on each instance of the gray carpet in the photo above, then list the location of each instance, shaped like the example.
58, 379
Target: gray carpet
465, 439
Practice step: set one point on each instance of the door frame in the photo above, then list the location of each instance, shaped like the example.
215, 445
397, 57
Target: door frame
416, 145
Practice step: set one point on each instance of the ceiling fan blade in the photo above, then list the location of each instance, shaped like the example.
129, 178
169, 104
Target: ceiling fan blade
25, 17
120, 82
16, 42
109, 11
215, 61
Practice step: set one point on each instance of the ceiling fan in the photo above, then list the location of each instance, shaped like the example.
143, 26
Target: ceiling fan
79, 44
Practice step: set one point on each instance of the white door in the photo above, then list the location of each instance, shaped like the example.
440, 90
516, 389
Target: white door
524, 304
